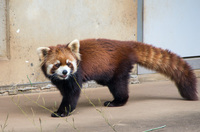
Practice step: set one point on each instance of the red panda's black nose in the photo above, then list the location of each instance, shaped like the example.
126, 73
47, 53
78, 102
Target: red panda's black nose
64, 72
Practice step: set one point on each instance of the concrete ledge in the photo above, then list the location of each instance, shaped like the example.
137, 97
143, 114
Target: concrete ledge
26, 88
47, 87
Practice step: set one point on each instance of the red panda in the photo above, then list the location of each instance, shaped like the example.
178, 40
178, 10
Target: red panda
109, 63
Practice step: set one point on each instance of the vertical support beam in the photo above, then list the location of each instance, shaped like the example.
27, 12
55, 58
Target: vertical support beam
140, 21
139, 25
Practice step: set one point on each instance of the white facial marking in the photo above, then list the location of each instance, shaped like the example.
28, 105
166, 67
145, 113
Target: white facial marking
74, 65
60, 70
57, 62
49, 67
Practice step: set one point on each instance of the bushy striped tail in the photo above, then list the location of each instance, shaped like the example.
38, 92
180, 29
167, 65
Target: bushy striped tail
171, 65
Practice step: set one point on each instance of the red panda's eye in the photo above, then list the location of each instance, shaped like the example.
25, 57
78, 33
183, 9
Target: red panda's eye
68, 64
57, 65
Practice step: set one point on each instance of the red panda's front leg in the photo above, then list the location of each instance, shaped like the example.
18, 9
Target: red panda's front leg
67, 105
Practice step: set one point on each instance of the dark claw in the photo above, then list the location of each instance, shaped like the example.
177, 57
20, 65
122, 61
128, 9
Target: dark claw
108, 104
114, 103
57, 114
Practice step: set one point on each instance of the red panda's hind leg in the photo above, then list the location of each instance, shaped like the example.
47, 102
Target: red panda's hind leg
119, 89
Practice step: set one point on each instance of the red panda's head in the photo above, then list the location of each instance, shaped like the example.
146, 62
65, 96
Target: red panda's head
59, 61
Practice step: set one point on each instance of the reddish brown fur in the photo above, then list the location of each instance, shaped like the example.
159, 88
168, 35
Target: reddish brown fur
100, 57
60, 52
103, 58
171, 65
109, 63
97, 60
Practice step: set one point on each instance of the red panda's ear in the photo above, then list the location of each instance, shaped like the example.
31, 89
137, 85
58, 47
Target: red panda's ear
42, 52
74, 47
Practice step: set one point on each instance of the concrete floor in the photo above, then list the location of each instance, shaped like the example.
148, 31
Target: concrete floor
151, 105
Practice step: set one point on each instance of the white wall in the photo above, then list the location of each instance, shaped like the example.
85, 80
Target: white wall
35, 23
174, 25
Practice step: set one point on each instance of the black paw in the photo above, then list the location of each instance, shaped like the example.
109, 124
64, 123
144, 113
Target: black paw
108, 104
57, 114
114, 103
